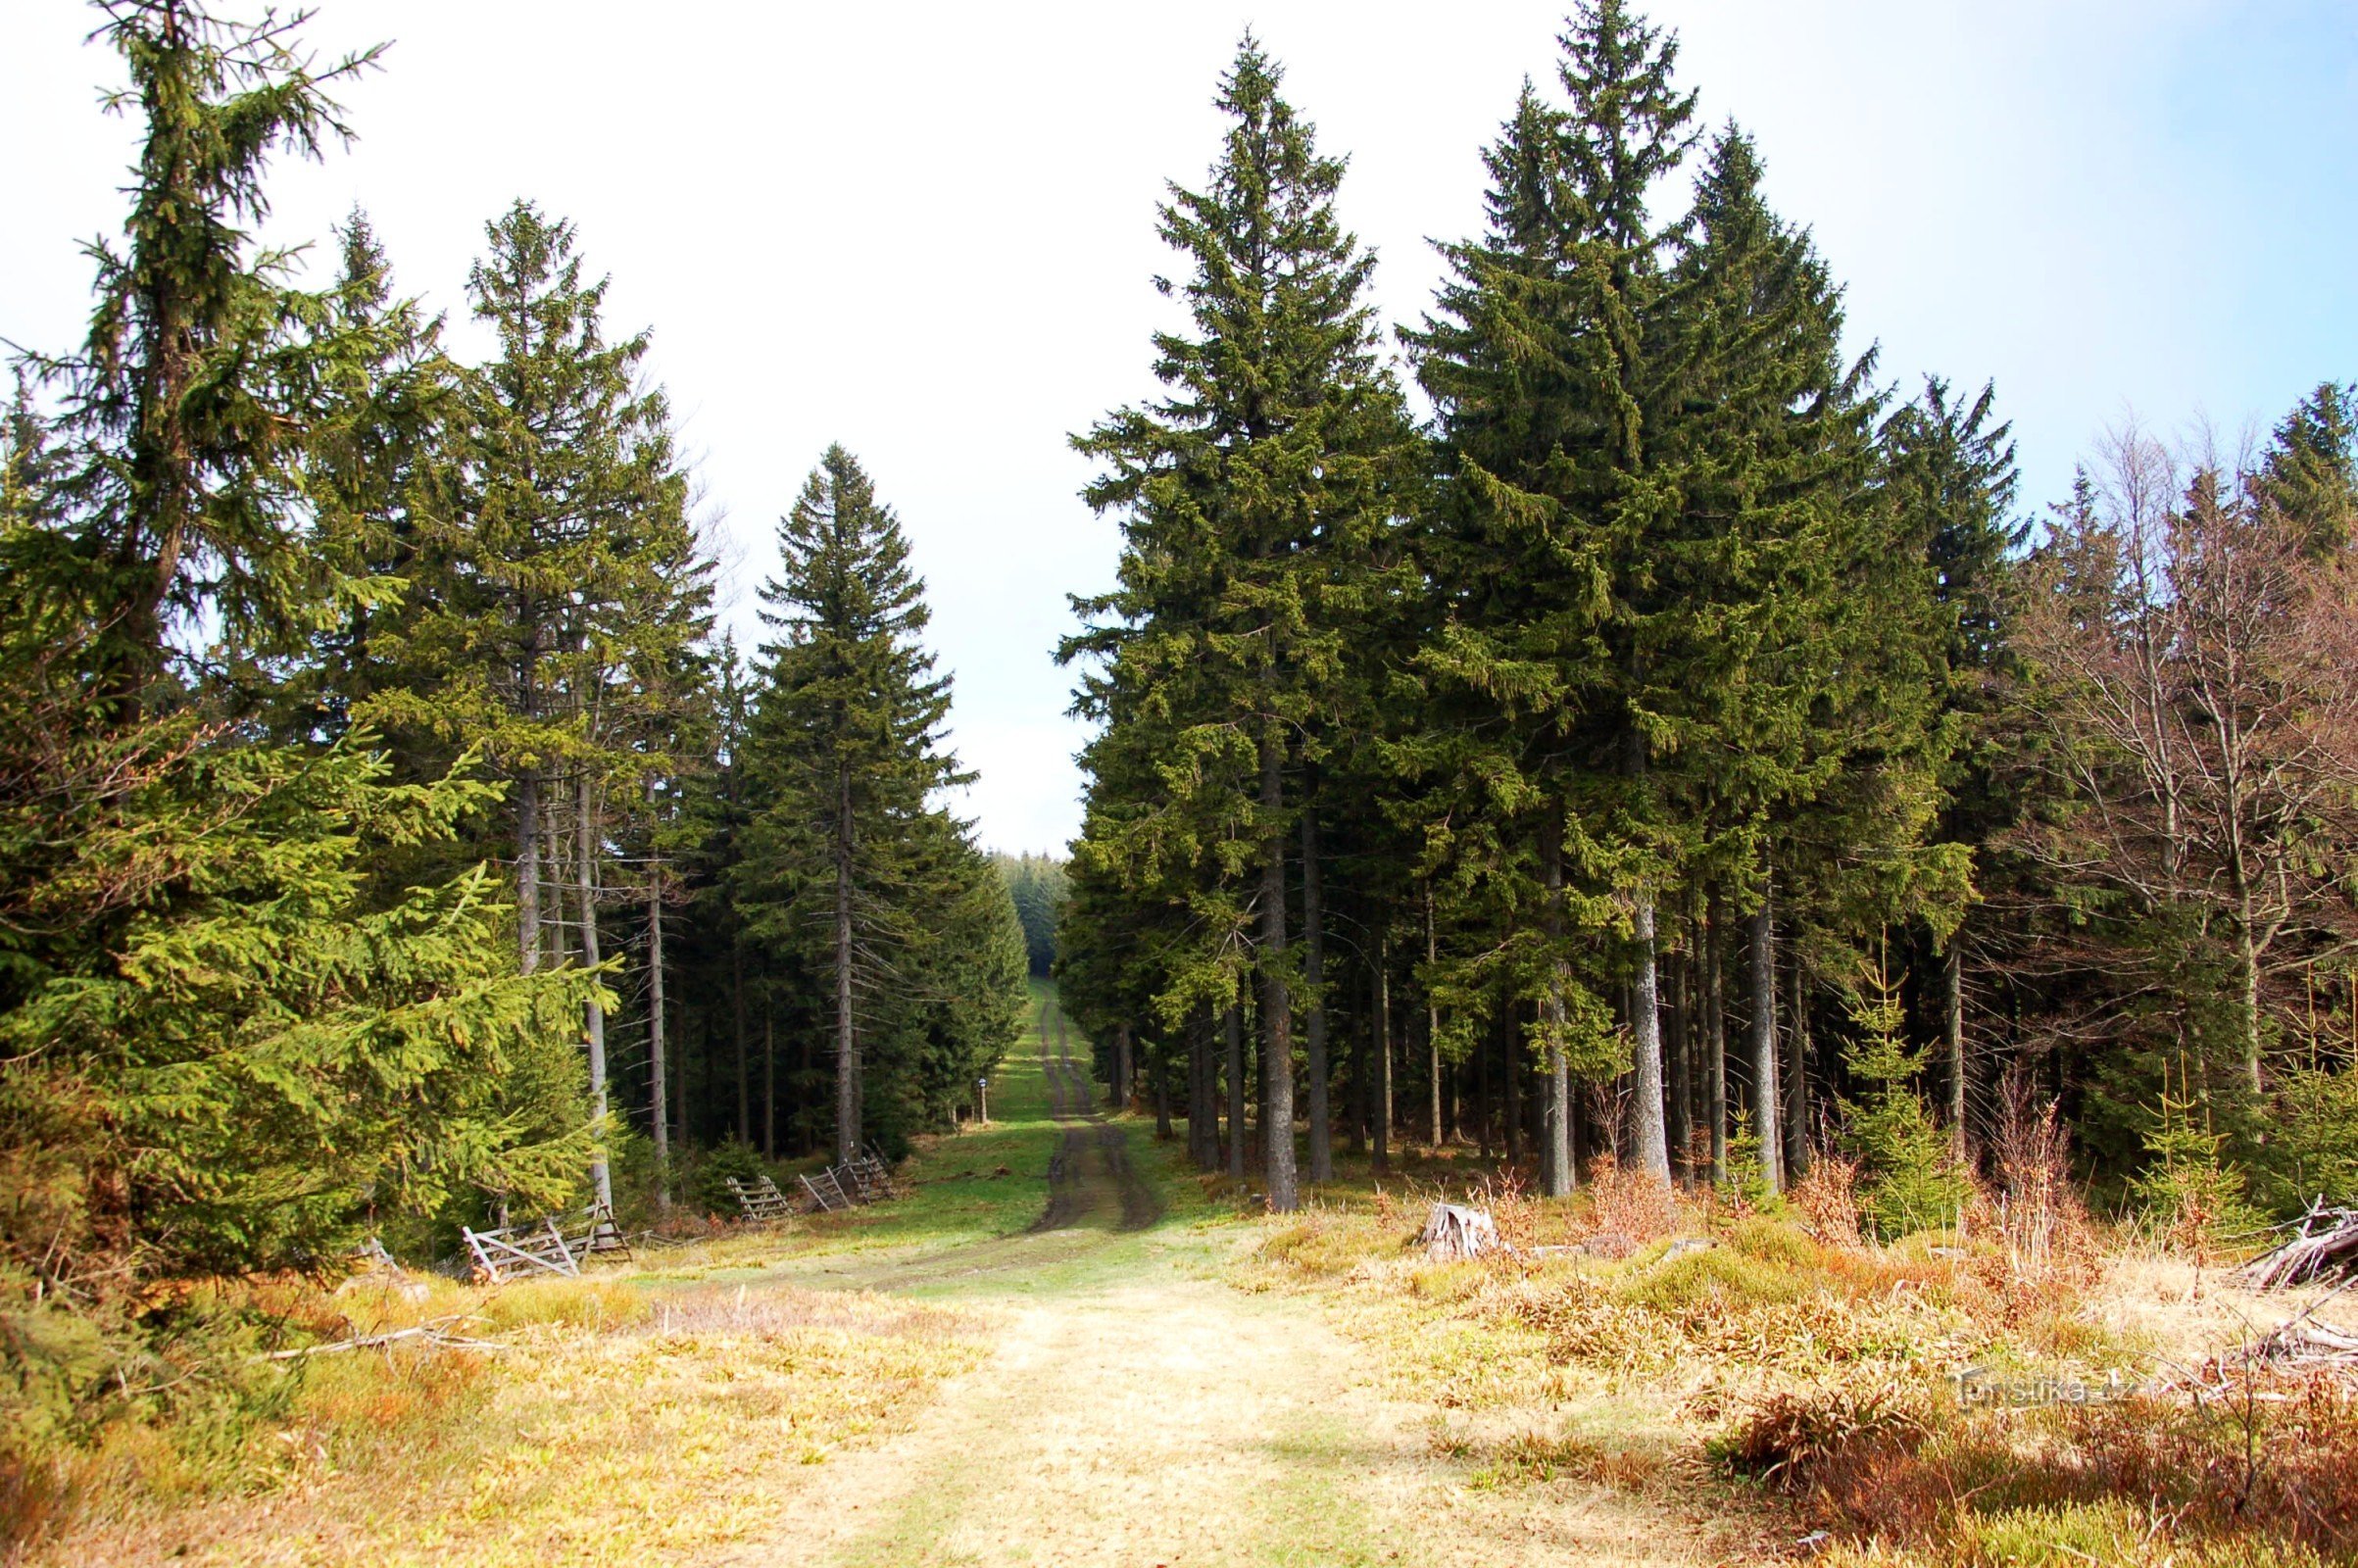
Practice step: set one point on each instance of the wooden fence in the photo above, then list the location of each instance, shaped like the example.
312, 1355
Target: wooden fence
557, 1245
861, 1179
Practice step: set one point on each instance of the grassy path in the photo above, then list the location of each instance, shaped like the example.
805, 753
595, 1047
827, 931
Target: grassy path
1137, 1408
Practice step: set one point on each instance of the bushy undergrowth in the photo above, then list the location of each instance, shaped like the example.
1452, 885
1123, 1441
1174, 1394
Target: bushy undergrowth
2266, 1476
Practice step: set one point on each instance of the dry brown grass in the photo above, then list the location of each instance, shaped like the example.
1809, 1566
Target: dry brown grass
1822, 1367
614, 1423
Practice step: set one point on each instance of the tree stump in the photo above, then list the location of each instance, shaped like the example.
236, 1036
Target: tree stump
1451, 1233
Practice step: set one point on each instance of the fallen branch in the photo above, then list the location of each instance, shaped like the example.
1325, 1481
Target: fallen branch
432, 1335
2326, 1244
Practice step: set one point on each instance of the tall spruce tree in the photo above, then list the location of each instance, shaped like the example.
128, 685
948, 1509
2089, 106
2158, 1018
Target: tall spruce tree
1545, 358
1251, 498
233, 1049
844, 752
1949, 477
1771, 455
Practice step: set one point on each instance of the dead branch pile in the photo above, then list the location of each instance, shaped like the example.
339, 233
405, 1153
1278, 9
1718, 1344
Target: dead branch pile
2322, 1246
1451, 1232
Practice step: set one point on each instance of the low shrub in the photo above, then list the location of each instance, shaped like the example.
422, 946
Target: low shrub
1783, 1440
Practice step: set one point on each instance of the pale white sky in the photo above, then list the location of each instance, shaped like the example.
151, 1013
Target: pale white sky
926, 229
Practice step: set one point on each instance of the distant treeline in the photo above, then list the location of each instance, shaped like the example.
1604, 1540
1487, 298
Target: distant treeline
1038, 885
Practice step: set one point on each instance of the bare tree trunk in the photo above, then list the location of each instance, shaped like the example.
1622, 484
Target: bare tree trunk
655, 1035
1203, 1119
593, 1011
554, 951
1796, 1083
769, 1084
1682, 1070
807, 1069
737, 1011
1767, 1104
846, 1041
1482, 1102
1121, 1067
1952, 1034
1159, 1062
1357, 1115
1715, 1044
1508, 1055
1645, 1028
1556, 1161
1313, 976
528, 873
2247, 959
1277, 1003
1232, 1027
1380, 1112
1431, 1023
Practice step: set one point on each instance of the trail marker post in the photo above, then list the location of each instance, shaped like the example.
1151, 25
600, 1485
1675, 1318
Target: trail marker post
982, 1090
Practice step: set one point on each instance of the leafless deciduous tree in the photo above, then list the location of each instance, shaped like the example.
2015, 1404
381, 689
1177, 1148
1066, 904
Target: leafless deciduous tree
2195, 673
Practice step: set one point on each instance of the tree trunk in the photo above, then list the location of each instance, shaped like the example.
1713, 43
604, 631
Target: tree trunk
1952, 1034
1158, 1059
1202, 1115
847, 1043
1486, 1105
1363, 1049
1512, 1059
1277, 1003
1555, 1163
527, 873
655, 1036
1121, 1067
2247, 957
1314, 977
1682, 1071
1715, 1044
1380, 1110
737, 1018
1231, 1030
1432, 1024
552, 949
593, 1013
1768, 1106
805, 1072
679, 1085
770, 1085
1796, 1083
1646, 1029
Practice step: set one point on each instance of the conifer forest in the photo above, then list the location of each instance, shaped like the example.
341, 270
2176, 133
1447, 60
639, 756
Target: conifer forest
1659, 952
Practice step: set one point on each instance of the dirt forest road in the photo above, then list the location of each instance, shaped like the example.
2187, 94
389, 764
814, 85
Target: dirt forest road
1139, 1410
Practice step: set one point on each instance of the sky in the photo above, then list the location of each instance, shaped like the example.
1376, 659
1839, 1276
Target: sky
927, 230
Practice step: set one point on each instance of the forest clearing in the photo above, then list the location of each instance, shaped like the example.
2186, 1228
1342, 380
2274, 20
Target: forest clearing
1658, 947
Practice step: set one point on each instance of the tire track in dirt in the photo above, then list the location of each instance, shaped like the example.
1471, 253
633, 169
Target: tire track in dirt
1074, 1189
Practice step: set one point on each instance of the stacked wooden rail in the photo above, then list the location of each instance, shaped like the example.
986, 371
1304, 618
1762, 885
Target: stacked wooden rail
761, 1200
860, 1179
558, 1245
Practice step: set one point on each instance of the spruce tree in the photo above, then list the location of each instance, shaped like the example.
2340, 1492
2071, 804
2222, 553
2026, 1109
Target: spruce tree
1545, 358
2310, 470
1252, 498
843, 754
235, 1045
1949, 477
